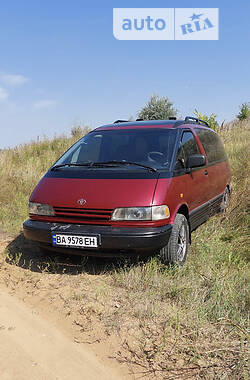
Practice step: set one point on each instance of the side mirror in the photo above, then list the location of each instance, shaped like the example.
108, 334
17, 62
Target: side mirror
196, 160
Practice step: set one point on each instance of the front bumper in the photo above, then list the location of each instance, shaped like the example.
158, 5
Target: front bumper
113, 240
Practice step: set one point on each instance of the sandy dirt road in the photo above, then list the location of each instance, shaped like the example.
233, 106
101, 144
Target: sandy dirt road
32, 348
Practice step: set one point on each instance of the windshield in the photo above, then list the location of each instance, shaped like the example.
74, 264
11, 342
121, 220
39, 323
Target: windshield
152, 147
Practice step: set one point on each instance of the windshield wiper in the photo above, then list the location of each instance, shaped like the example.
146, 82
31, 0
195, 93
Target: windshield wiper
104, 163
72, 164
114, 162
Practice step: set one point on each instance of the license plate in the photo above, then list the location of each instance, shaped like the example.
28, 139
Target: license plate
76, 241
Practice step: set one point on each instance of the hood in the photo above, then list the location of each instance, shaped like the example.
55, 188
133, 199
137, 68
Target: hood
95, 193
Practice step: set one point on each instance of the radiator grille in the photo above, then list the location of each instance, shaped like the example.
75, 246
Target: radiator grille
84, 214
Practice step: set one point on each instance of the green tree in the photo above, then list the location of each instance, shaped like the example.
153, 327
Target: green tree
157, 108
244, 111
211, 120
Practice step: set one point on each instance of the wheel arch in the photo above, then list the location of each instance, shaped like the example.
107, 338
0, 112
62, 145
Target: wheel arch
183, 209
229, 187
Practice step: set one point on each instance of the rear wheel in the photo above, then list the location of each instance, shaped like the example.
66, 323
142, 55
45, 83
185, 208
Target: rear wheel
225, 200
175, 252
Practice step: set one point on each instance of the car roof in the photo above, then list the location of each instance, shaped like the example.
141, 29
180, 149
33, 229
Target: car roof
170, 124
138, 124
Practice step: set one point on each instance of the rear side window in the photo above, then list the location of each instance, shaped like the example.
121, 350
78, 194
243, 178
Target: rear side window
212, 144
187, 147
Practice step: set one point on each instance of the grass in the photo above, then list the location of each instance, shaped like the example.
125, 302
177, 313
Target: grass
172, 323
20, 170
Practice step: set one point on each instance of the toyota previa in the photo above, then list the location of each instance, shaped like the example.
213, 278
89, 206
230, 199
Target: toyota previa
131, 188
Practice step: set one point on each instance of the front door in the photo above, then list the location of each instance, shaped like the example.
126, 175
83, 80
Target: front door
194, 185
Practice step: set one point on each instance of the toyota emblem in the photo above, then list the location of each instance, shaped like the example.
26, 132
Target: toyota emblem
81, 201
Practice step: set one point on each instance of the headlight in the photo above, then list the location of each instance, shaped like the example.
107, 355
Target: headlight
141, 213
40, 209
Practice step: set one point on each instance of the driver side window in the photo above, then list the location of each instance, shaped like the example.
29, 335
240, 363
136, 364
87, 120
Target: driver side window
187, 147
89, 151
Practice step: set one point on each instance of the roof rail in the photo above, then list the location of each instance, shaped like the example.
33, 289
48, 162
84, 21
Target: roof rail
172, 118
120, 121
195, 120
140, 119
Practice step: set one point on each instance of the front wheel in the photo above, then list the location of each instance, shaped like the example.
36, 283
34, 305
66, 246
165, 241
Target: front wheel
175, 252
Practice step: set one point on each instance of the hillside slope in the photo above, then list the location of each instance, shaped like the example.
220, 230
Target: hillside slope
189, 323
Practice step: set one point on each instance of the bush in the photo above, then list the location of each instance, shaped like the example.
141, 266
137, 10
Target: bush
244, 111
211, 120
157, 109
78, 131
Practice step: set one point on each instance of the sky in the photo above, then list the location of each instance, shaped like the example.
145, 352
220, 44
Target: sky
60, 66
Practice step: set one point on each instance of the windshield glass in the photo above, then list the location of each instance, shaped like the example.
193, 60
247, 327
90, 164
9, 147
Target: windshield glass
152, 147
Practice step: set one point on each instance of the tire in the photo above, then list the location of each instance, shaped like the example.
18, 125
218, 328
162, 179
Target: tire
225, 200
175, 252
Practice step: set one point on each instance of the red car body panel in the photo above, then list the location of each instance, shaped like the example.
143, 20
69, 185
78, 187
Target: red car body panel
219, 176
103, 194
99, 193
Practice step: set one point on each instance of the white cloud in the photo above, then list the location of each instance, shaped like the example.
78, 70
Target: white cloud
14, 79
46, 103
3, 94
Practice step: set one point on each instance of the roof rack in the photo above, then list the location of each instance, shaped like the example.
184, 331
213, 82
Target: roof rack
120, 121
126, 121
195, 120
140, 119
188, 119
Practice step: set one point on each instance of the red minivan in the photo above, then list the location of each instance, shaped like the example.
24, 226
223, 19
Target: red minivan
131, 187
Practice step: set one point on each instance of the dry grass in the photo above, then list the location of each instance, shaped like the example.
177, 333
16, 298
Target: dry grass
20, 170
172, 324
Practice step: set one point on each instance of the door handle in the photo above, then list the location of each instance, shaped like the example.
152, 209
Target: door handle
206, 172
